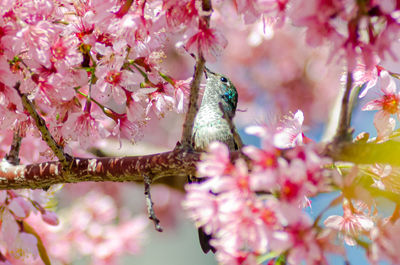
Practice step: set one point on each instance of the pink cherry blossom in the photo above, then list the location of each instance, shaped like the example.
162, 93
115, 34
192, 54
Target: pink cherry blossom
210, 42
249, 9
182, 89
366, 77
17, 207
286, 133
290, 133
180, 13
216, 162
136, 111
266, 134
387, 104
90, 224
252, 10
341, 24
20, 207
37, 38
244, 259
64, 53
95, 67
111, 82
19, 243
262, 158
306, 247
385, 177
226, 203
50, 217
127, 129
84, 128
11, 107
385, 242
203, 207
7, 77
160, 101
351, 224
36, 11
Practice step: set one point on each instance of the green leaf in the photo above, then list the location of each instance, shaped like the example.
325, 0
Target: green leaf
265, 257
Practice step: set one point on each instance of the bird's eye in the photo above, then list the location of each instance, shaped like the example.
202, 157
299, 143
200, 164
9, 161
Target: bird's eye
223, 79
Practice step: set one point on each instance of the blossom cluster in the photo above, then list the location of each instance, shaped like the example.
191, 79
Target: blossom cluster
19, 239
93, 68
356, 30
365, 222
89, 228
254, 208
252, 211
387, 103
86, 229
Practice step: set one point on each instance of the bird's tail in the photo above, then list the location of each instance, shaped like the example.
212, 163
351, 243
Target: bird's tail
205, 241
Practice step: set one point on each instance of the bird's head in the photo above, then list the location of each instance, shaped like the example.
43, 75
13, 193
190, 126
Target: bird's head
220, 89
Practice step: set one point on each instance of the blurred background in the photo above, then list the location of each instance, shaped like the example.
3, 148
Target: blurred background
275, 73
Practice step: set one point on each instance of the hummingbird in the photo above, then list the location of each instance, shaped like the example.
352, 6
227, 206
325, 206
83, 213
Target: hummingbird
220, 97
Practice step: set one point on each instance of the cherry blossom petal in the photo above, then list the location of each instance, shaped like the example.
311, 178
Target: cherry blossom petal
3, 196
17, 209
388, 86
289, 133
50, 217
384, 125
373, 105
9, 228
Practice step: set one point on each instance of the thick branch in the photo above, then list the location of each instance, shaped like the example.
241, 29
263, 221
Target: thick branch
174, 164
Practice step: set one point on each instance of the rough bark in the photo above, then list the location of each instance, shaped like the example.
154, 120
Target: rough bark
170, 167
173, 164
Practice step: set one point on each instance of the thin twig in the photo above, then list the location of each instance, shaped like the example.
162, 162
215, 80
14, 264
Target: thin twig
236, 136
186, 139
150, 210
64, 158
207, 7
343, 132
13, 156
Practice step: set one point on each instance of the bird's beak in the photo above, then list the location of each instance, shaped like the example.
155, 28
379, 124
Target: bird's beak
207, 71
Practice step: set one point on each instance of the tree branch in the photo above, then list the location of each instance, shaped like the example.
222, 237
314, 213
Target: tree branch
343, 132
149, 203
13, 155
186, 139
58, 150
174, 164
